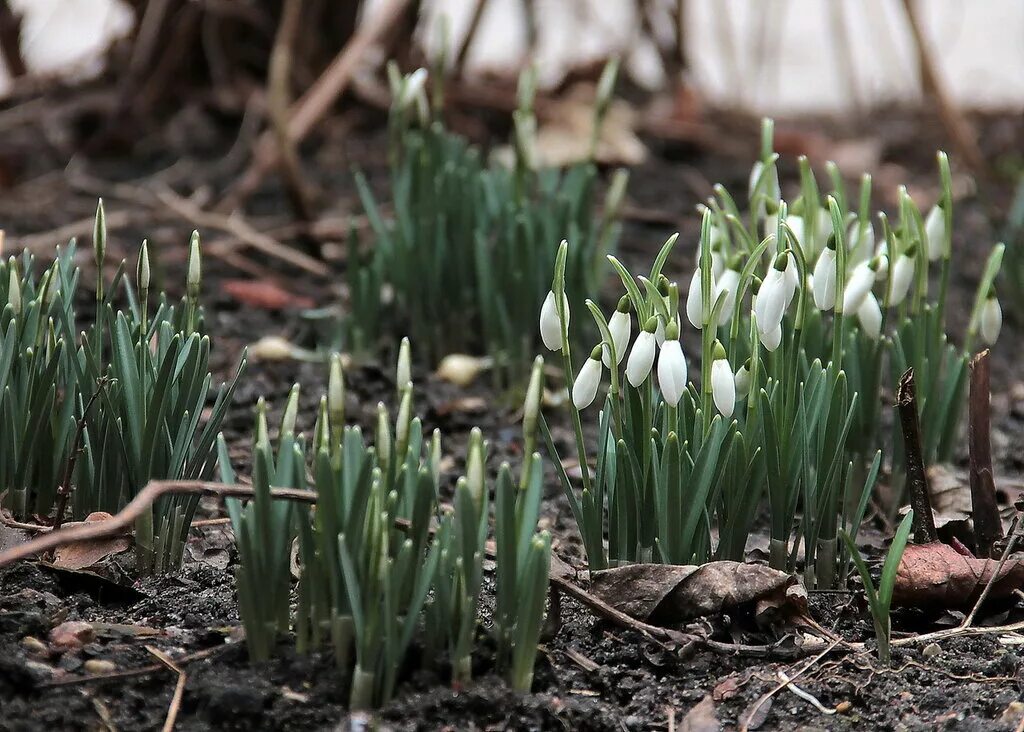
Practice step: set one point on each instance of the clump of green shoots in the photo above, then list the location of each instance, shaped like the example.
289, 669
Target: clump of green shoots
381, 557
95, 415
464, 259
880, 599
800, 311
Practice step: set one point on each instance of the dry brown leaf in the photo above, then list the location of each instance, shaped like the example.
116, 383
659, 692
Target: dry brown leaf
85, 554
667, 594
701, 718
937, 575
265, 294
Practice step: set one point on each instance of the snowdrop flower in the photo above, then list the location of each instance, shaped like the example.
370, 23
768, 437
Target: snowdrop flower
902, 276
403, 373
195, 268
796, 224
743, 380
935, 232
881, 267
771, 298
694, 302
14, 291
773, 338
550, 332
672, 367
824, 286
723, 383
584, 389
858, 286
641, 357
870, 316
620, 327
792, 281
991, 319
659, 331
728, 284
859, 244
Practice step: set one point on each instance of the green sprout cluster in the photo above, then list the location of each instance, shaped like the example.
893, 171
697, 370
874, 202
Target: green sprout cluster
464, 259
383, 562
94, 415
801, 312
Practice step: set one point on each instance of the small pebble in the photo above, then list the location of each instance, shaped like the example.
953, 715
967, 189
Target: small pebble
72, 635
33, 646
931, 650
843, 707
100, 666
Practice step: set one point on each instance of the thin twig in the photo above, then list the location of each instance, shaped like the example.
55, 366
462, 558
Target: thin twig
64, 491
179, 688
991, 580
459, 65
125, 518
988, 528
917, 478
760, 702
135, 672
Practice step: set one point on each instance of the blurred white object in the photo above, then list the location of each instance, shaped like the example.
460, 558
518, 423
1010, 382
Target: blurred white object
67, 37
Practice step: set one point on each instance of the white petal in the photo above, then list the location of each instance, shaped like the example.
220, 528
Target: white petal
728, 284
694, 303
550, 333
858, 287
584, 389
771, 301
620, 326
723, 387
672, 372
796, 225
870, 316
991, 321
902, 278
641, 358
743, 382
825, 280
883, 268
935, 232
773, 338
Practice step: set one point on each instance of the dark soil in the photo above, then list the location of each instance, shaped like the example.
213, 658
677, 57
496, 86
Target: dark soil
590, 674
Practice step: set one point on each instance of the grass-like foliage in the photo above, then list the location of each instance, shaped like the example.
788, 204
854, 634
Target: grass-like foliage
880, 599
384, 563
463, 260
802, 314
90, 417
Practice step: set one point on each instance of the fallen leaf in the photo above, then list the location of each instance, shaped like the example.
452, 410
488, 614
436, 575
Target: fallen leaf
701, 718
667, 594
937, 575
755, 715
728, 687
85, 554
72, 635
265, 294
461, 369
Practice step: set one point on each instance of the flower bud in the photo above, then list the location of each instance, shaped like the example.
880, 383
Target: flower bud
475, 466
403, 373
641, 357
550, 329
620, 326
336, 392
902, 276
825, 278
870, 316
743, 380
672, 370
291, 411
534, 396
584, 389
935, 232
991, 321
14, 290
142, 273
723, 383
195, 268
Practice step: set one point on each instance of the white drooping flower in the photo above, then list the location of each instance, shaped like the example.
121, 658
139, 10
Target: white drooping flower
584, 389
858, 286
641, 357
792, 281
935, 232
694, 301
881, 266
771, 297
659, 331
743, 380
824, 287
870, 316
991, 319
550, 332
723, 382
902, 277
796, 224
620, 326
773, 338
858, 243
672, 367
728, 285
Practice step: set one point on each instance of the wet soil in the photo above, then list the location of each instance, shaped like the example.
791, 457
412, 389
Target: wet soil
591, 675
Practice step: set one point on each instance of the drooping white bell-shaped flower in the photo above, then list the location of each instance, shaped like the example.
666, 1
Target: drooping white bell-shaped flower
584, 389
723, 382
694, 301
935, 232
743, 380
620, 326
771, 297
792, 281
796, 224
773, 338
672, 367
869, 314
824, 285
858, 286
902, 276
728, 285
550, 331
991, 319
659, 331
641, 356
881, 266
